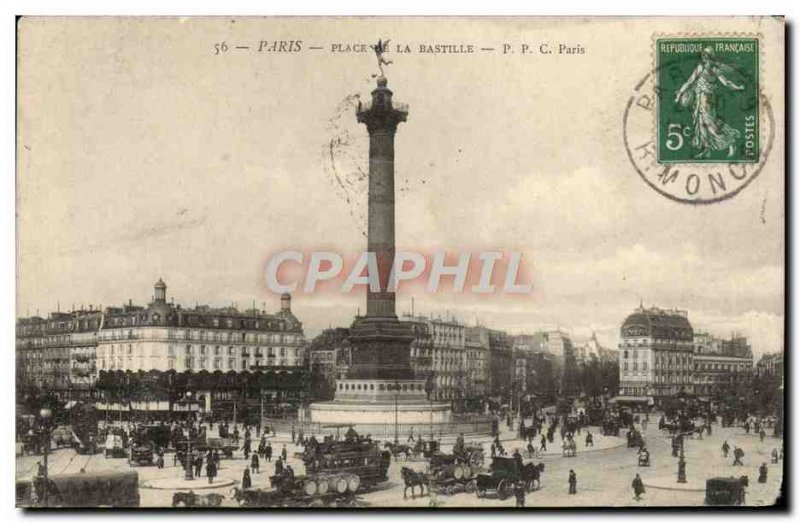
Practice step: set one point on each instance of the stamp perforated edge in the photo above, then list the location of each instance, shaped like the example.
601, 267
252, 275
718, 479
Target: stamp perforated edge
759, 37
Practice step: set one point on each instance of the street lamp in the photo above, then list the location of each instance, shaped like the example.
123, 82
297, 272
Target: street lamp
396, 389
45, 415
189, 475
429, 388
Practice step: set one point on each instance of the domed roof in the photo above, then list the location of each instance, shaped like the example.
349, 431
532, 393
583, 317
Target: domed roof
160, 284
658, 323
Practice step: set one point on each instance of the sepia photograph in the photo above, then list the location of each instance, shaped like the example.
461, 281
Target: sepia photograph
354, 262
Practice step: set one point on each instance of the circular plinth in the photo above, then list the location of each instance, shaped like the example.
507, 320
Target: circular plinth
671, 483
380, 413
200, 483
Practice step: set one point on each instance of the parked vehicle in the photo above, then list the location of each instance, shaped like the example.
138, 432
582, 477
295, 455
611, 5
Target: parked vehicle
114, 446
726, 491
90, 489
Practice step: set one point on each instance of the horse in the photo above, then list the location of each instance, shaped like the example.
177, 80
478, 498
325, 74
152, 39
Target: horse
190, 499
531, 474
399, 448
412, 479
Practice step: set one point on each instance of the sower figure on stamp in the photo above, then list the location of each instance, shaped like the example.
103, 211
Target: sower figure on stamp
700, 93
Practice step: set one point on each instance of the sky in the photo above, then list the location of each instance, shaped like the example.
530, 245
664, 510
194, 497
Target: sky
144, 155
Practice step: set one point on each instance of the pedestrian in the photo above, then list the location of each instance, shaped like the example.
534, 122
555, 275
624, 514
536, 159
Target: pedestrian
278, 467
198, 465
292, 434
738, 454
160, 460
247, 482
762, 473
589, 439
725, 449
774, 455
638, 487
268, 452
494, 451
283, 453
761, 435
211, 470
573, 482
410, 435
519, 492
246, 448
254, 463
543, 446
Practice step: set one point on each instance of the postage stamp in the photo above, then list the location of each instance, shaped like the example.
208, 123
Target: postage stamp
696, 127
708, 100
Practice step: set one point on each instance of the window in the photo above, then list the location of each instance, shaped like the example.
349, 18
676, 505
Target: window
644, 365
625, 366
626, 354
635, 365
231, 364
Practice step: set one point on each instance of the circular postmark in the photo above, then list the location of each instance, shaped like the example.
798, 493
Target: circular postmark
695, 181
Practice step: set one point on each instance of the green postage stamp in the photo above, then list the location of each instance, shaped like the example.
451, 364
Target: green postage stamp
707, 100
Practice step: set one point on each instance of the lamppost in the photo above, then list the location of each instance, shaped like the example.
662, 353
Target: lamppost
189, 475
429, 388
396, 389
45, 415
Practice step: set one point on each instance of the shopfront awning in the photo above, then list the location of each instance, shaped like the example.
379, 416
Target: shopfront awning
629, 399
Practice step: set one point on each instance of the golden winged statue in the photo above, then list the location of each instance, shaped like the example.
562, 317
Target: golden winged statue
380, 48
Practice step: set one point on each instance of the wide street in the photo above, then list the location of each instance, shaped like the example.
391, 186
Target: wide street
604, 473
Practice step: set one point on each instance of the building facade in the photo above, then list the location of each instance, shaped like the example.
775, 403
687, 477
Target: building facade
438, 353
165, 337
89, 353
57, 354
656, 355
478, 371
720, 364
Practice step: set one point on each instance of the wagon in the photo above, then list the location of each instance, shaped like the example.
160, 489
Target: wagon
450, 473
503, 477
91, 489
224, 446
726, 491
610, 428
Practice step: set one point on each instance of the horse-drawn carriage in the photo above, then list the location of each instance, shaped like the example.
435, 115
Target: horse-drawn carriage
611, 427
426, 448
504, 475
635, 438
224, 446
89, 489
451, 472
726, 491
644, 458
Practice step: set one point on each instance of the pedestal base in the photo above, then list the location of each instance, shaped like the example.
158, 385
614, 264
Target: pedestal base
383, 413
